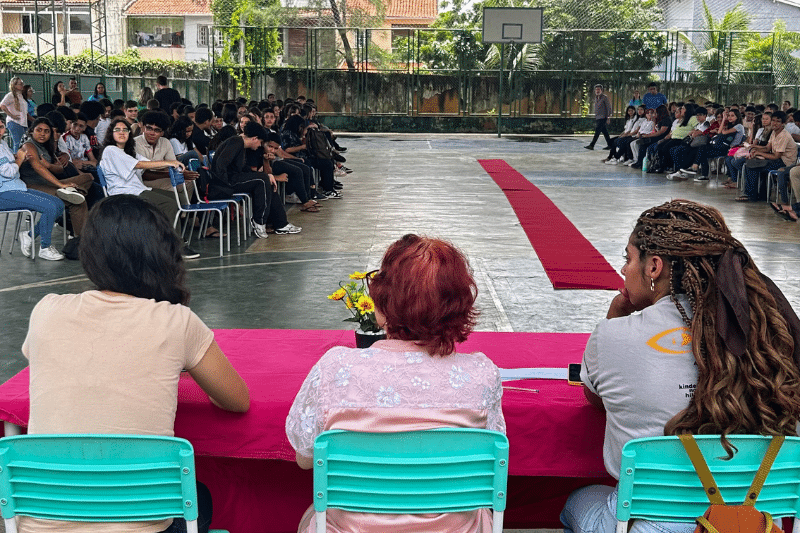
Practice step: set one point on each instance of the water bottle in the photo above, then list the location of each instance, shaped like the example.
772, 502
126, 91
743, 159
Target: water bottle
645, 163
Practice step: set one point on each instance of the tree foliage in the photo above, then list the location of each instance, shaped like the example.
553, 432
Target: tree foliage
773, 53
635, 48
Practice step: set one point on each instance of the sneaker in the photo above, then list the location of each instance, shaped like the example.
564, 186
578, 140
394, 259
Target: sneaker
25, 243
335, 195
689, 171
337, 185
70, 195
589, 147
339, 173
347, 170
288, 228
674, 176
188, 253
340, 149
630, 162
612, 162
318, 196
292, 199
606, 148
259, 229
701, 178
50, 254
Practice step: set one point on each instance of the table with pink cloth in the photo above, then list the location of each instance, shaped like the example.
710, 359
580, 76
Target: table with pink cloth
556, 437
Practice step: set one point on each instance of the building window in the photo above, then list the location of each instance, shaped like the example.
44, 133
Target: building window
28, 23
202, 35
80, 24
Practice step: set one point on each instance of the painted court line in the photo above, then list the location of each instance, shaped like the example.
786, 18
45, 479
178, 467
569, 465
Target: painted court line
568, 258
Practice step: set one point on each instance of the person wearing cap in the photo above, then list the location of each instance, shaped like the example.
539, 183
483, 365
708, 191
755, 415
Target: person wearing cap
602, 116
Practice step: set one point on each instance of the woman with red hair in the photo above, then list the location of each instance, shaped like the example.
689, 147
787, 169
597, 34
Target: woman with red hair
424, 297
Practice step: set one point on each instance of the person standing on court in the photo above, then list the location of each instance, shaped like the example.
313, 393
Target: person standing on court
602, 116
165, 94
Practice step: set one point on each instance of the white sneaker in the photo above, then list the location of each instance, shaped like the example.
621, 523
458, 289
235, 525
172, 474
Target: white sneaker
339, 173
288, 228
292, 199
630, 163
260, 230
50, 254
612, 161
70, 195
25, 243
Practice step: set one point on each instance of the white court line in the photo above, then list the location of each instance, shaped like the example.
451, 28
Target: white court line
503, 323
430, 147
81, 278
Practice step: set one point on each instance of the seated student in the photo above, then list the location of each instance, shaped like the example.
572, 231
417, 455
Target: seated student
300, 179
179, 135
793, 126
105, 119
663, 123
228, 130
679, 263
682, 154
42, 171
94, 113
619, 144
230, 174
293, 142
202, 128
424, 297
14, 194
785, 209
77, 143
731, 134
760, 137
130, 337
647, 127
131, 109
123, 167
781, 151
685, 122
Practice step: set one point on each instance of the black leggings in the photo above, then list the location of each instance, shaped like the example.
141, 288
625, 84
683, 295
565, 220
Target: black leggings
325, 167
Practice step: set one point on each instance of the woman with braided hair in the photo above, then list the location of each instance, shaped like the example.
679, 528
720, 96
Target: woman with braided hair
698, 341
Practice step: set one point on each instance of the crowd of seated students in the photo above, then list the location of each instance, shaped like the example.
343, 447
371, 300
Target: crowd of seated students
58, 147
683, 140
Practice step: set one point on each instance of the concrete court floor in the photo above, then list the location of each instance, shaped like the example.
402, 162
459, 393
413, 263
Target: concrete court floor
433, 185
429, 184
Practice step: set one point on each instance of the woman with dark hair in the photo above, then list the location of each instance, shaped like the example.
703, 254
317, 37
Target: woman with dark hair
27, 94
99, 93
618, 146
117, 370
424, 298
731, 133
293, 142
179, 135
59, 97
145, 95
14, 194
663, 124
42, 171
230, 119
685, 122
695, 315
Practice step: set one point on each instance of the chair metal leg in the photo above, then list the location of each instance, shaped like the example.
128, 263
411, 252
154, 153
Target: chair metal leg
3, 238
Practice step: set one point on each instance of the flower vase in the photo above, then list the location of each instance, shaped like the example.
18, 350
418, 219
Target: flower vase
365, 339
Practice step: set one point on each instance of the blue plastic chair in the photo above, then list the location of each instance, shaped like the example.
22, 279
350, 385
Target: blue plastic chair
97, 478
658, 482
185, 206
435, 471
101, 177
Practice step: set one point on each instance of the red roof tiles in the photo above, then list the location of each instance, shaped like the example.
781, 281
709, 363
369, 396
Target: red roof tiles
171, 7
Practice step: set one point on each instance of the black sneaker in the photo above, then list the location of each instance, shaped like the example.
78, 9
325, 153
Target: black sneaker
188, 253
339, 158
340, 149
318, 196
337, 185
590, 147
333, 195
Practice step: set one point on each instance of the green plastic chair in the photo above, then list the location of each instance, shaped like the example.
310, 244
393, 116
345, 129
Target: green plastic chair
658, 482
434, 471
97, 478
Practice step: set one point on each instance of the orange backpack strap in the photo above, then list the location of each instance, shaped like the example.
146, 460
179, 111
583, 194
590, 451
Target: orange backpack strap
763, 470
701, 467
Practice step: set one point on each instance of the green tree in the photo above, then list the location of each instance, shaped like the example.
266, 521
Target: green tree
773, 53
720, 48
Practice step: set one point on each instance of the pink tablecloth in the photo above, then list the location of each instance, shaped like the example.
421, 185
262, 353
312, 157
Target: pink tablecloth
553, 431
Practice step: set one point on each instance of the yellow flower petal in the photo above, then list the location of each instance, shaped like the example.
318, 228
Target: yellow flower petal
365, 304
358, 275
338, 295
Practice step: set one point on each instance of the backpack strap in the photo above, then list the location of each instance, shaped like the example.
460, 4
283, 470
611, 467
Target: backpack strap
701, 467
763, 470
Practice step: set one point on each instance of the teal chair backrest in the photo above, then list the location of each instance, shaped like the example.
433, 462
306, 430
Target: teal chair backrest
434, 471
97, 478
657, 481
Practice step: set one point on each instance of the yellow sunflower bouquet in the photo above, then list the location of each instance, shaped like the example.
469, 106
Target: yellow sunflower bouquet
355, 295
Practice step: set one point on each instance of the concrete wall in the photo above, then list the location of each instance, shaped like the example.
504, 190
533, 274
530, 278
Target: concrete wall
552, 126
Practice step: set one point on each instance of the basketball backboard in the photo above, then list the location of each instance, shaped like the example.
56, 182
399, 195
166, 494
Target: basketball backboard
512, 25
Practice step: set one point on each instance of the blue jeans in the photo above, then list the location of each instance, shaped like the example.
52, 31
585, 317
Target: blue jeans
754, 187
593, 509
735, 165
16, 131
49, 206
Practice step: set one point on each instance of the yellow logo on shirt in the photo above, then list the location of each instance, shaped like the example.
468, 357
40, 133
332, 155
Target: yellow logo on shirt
666, 341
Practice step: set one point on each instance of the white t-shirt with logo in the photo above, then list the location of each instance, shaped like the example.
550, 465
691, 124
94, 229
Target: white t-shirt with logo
643, 369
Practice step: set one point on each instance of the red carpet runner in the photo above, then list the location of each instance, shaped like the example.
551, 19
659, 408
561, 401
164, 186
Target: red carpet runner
570, 261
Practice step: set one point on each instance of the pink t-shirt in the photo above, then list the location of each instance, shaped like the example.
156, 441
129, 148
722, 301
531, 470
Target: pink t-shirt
108, 364
394, 386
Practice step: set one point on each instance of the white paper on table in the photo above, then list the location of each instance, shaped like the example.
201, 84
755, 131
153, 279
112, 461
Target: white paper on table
510, 374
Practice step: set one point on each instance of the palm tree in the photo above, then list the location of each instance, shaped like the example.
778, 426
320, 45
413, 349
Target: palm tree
720, 49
